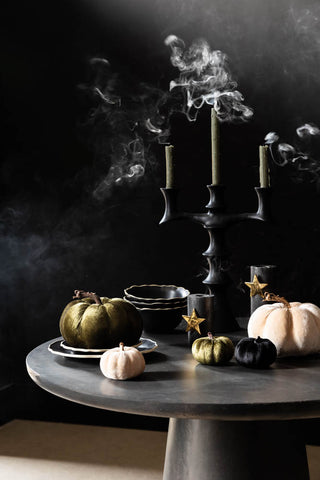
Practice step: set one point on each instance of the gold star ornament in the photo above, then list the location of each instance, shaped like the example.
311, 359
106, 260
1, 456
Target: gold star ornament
256, 287
193, 321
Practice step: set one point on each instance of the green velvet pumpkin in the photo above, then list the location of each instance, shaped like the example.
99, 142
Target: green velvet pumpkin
212, 350
93, 322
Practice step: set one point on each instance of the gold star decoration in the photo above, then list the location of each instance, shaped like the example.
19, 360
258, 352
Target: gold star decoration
256, 287
193, 321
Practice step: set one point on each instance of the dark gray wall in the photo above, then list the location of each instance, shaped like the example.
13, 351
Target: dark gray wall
56, 236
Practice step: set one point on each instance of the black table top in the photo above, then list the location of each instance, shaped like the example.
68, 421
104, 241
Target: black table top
175, 385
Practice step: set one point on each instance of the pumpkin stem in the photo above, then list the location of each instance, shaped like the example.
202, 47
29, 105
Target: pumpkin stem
271, 297
210, 335
78, 294
121, 346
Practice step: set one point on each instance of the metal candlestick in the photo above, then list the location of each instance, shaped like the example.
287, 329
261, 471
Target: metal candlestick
216, 221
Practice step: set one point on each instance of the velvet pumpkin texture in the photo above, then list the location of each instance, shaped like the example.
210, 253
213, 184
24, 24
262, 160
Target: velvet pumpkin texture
293, 327
122, 363
255, 352
91, 321
212, 350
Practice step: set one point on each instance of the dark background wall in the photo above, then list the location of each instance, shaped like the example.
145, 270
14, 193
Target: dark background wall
56, 235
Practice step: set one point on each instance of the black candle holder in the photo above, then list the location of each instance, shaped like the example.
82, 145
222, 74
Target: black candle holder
216, 221
265, 274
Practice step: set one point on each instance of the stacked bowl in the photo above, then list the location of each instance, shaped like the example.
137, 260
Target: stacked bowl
161, 306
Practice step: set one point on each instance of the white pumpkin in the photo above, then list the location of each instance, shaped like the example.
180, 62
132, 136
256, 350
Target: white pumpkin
121, 363
294, 327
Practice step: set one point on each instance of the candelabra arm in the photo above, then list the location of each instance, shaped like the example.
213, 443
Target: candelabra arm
215, 217
171, 211
263, 211
264, 203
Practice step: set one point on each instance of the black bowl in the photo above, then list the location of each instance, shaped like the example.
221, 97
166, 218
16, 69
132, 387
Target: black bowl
157, 305
156, 293
161, 321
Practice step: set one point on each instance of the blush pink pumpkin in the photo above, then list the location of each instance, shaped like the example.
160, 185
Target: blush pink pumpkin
122, 363
294, 327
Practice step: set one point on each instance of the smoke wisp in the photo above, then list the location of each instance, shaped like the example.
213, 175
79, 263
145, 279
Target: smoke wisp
300, 155
205, 78
126, 117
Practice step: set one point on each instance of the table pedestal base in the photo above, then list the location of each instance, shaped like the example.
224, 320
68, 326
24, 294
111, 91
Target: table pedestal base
228, 450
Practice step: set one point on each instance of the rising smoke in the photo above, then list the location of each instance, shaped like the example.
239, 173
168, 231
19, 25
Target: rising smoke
126, 121
205, 78
113, 130
300, 156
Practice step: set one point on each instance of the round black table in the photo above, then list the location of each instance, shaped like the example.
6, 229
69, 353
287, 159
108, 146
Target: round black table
226, 422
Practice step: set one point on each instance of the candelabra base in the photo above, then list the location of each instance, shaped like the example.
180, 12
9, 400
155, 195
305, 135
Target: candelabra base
224, 319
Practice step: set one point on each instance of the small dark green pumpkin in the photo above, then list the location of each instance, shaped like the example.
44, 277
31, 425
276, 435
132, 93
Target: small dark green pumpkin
212, 350
91, 321
255, 352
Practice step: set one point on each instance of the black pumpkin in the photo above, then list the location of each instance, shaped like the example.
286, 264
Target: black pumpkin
255, 352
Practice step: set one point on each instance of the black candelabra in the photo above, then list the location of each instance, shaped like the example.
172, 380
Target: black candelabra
216, 221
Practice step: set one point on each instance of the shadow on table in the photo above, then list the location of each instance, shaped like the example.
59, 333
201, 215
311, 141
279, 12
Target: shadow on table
163, 376
155, 357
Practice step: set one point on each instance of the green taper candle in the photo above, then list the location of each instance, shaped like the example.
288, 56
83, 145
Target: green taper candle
215, 162
169, 166
264, 169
